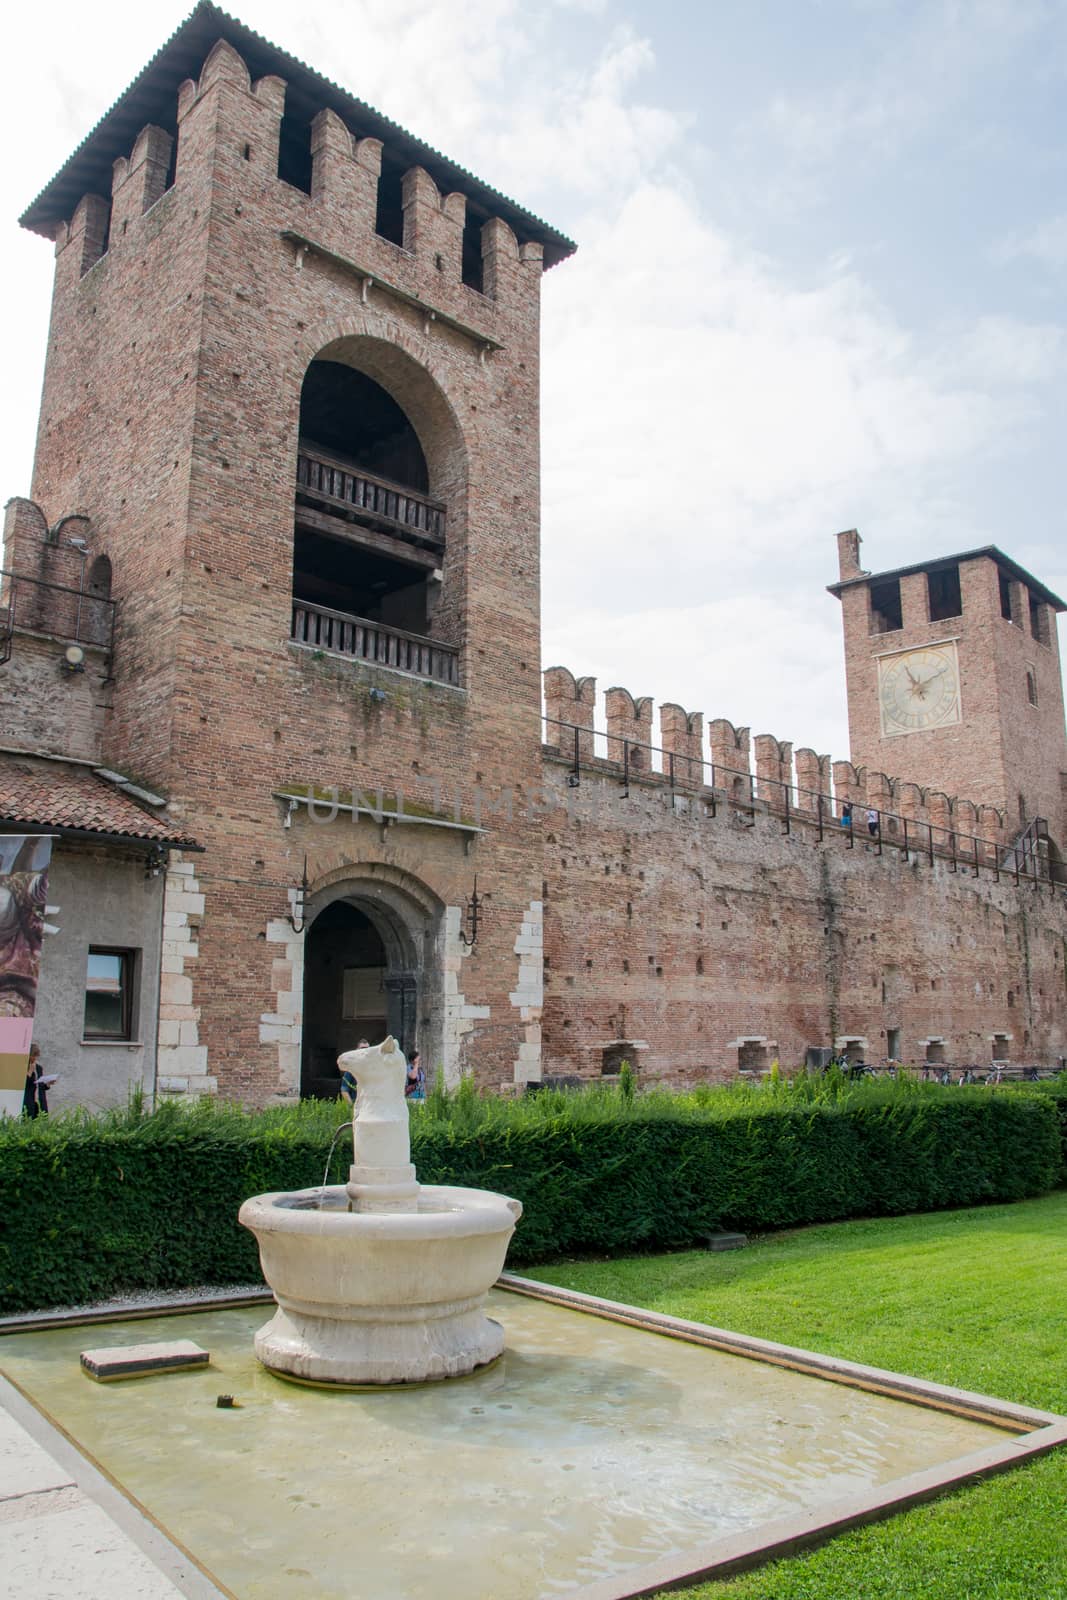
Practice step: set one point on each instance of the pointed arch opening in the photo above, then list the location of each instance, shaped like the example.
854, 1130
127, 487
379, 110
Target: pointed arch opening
380, 497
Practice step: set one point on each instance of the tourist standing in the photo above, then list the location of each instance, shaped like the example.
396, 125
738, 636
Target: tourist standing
415, 1081
35, 1094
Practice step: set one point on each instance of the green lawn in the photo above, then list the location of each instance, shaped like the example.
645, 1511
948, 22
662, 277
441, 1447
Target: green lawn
974, 1298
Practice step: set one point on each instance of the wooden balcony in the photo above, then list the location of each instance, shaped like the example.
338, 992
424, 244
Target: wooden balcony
345, 635
346, 493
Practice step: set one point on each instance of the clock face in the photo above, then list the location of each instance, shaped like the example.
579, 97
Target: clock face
919, 689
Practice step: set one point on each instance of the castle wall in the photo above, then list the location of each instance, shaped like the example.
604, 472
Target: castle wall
709, 932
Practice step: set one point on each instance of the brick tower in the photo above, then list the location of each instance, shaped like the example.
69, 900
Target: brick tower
954, 683
292, 390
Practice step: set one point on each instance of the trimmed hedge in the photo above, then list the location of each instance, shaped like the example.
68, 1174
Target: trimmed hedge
89, 1206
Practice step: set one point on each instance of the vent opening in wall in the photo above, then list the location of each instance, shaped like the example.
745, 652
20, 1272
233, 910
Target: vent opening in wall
1031, 688
613, 1055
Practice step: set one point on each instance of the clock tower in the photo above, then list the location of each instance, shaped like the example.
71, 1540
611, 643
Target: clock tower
953, 675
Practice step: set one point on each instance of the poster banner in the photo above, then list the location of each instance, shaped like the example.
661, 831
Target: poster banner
24, 860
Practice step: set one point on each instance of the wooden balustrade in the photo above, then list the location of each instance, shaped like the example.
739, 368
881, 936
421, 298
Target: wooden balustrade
342, 487
347, 635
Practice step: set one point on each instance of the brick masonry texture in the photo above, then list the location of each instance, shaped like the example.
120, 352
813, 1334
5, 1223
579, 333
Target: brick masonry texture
169, 421
684, 924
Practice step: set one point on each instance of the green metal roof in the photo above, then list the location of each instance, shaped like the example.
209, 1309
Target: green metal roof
153, 98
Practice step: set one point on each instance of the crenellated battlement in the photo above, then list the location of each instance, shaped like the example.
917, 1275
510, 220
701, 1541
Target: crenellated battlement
317, 162
761, 773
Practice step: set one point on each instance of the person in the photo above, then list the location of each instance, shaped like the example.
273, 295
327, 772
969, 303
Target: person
846, 815
349, 1086
872, 822
35, 1094
415, 1082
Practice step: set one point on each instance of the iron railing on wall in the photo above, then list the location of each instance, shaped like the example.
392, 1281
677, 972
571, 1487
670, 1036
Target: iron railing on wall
33, 605
824, 814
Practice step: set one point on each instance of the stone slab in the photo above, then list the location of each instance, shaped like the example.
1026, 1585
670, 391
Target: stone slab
25, 1468
138, 1360
77, 1553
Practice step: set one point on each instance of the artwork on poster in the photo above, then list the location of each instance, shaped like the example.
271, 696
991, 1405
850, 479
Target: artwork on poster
24, 861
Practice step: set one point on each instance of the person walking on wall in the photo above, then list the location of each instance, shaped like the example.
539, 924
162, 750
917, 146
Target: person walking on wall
872, 822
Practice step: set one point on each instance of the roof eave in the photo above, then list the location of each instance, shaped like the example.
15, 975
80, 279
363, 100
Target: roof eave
989, 552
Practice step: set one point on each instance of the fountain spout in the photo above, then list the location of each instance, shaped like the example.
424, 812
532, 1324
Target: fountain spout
382, 1177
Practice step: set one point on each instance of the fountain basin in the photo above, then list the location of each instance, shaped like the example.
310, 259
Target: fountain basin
380, 1297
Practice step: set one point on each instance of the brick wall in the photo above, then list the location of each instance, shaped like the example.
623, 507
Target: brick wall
170, 409
687, 924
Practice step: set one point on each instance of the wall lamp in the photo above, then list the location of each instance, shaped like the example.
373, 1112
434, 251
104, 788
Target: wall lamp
473, 914
297, 918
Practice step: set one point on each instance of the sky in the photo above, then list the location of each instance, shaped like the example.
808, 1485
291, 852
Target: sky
819, 285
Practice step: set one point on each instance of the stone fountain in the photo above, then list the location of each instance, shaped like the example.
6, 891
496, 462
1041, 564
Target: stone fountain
382, 1280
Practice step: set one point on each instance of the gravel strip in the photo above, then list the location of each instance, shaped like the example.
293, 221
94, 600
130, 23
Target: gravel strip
138, 1303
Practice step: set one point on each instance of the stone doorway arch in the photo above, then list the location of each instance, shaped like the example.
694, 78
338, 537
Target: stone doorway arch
371, 967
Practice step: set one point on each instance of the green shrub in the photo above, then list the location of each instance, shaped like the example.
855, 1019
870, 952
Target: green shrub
91, 1206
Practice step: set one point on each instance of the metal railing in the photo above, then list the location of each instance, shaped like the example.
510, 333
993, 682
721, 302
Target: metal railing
826, 815
347, 635
345, 489
33, 605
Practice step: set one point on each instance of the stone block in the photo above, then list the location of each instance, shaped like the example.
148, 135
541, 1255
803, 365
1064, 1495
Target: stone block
139, 1360
175, 990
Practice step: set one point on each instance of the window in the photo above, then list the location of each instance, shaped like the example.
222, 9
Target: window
892, 1044
935, 1051
1031, 687
1005, 594
1001, 1047
294, 152
1039, 628
472, 250
109, 994
943, 593
751, 1056
389, 218
886, 614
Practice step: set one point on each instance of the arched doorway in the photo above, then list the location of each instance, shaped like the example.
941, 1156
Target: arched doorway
369, 970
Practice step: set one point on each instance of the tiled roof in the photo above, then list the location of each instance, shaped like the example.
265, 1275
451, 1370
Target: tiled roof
39, 793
